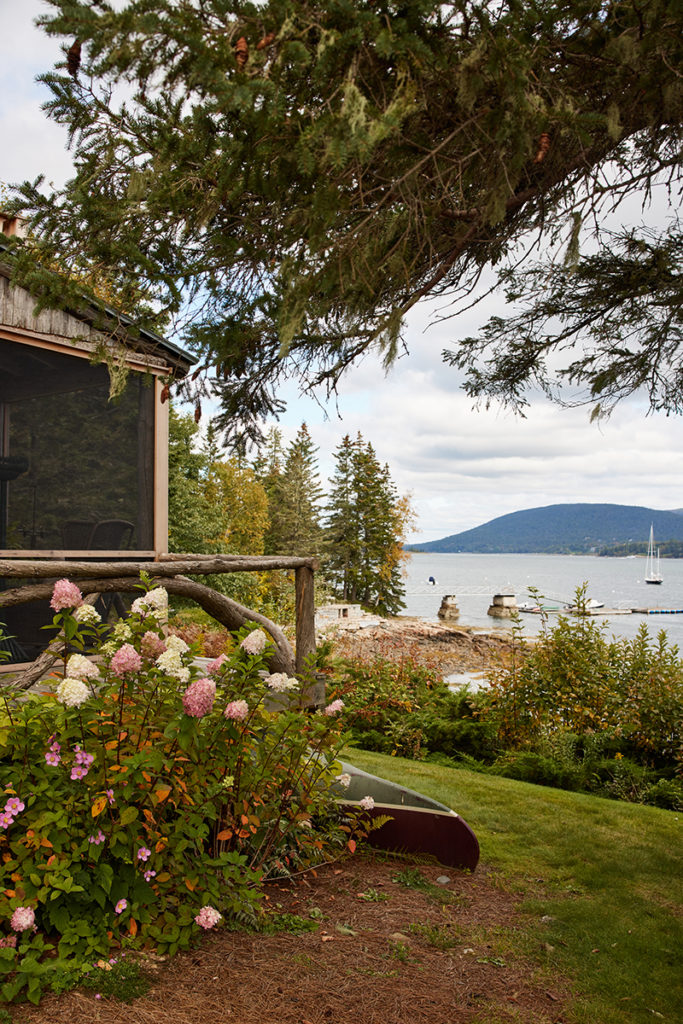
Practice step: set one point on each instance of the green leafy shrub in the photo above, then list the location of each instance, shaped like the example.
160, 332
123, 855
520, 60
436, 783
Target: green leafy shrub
573, 680
530, 766
143, 803
404, 709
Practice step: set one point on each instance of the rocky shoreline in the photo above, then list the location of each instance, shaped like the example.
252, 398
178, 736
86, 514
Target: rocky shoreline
446, 649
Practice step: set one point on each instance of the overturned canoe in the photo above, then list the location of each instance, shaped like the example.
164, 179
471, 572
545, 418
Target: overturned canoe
418, 823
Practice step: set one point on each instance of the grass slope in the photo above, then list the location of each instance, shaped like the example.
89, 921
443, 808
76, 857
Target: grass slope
607, 873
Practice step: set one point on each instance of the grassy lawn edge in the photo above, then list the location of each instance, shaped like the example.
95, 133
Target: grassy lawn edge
607, 875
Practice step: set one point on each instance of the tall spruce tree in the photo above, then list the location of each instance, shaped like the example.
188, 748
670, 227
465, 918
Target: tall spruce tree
366, 526
292, 482
298, 174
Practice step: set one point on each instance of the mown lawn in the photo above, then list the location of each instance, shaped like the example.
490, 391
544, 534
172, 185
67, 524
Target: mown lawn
607, 873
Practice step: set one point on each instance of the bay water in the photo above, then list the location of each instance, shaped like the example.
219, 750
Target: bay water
475, 578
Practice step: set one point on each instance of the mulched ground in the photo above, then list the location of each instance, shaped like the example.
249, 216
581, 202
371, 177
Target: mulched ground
370, 960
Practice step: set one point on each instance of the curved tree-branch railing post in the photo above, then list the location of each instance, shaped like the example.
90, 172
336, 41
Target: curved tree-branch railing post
170, 571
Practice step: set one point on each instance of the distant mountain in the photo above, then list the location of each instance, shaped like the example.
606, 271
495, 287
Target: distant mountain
563, 529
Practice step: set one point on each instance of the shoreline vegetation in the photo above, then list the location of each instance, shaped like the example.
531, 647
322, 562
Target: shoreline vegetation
447, 649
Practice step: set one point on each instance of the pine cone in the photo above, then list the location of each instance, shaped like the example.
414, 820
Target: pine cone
165, 394
266, 41
73, 58
543, 147
241, 52
198, 412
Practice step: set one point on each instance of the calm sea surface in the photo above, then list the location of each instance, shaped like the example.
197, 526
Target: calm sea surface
474, 579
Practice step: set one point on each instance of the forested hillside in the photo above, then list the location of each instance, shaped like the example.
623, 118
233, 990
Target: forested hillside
563, 529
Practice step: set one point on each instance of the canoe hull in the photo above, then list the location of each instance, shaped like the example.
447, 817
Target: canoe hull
418, 824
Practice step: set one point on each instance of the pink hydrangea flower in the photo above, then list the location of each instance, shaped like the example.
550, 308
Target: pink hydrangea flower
9, 941
367, 803
120, 906
199, 697
255, 642
208, 917
334, 708
152, 646
214, 667
14, 806
126, 659
144, 853
65, 595
237, 710
23, 918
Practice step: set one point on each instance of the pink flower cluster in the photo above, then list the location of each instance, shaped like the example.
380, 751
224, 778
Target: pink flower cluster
98, 838
82, 762
52, 756
9, 941
208, 917
149, 875
23, 918
237, 710
152, 645
65, 595
367, 803
334, 708
13, 807
214, 667
126, 659
199, 697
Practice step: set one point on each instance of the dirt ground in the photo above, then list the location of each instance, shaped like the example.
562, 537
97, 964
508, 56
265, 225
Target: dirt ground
377, 956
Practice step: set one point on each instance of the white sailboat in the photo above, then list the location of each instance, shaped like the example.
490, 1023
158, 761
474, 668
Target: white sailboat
652, 573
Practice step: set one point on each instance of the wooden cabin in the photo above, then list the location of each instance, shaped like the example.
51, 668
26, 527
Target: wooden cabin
82, 474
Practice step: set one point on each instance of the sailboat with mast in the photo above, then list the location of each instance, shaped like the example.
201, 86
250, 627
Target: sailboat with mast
652, 572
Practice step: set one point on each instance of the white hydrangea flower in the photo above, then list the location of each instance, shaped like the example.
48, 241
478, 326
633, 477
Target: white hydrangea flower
78, 667
122, 631
344, 780
72, 692
170, 662
176, 643
367, 803
86, 615
279, 682
255, 642
154, 602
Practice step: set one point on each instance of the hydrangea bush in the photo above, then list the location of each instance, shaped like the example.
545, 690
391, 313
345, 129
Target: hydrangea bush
143, 800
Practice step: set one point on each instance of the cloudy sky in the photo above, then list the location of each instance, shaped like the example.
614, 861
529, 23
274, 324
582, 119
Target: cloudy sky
462, 466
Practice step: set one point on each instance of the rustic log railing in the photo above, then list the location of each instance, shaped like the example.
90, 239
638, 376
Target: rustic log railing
169, 570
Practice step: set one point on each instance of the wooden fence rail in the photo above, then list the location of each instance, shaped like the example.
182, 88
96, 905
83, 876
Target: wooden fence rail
169, 570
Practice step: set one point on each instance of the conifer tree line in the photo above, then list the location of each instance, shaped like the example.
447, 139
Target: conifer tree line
275, 504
